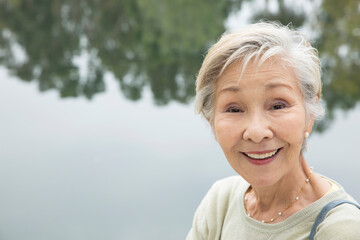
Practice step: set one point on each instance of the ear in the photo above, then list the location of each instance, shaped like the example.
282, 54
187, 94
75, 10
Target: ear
310, 124
213, 131
212, 125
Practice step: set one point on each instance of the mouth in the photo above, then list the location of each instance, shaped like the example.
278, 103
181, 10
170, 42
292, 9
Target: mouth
261, 155
261, 158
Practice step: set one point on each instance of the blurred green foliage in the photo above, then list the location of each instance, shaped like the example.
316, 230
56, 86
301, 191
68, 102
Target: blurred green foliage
339, 47
155, 43
159, 44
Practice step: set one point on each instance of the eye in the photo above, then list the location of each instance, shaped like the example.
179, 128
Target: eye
278, 106
233, 109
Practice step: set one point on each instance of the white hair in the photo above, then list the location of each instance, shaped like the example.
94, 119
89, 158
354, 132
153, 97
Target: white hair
260, 42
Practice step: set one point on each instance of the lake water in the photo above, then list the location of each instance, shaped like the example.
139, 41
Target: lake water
114, 169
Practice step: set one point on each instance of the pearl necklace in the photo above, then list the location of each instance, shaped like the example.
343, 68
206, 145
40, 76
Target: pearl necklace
280, 213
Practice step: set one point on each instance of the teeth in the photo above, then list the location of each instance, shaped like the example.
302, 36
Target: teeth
261, 156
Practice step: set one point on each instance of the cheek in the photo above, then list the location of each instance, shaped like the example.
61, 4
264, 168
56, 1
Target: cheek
225, 133
292, 128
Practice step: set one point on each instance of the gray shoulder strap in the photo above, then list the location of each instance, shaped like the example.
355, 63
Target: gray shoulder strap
323, 213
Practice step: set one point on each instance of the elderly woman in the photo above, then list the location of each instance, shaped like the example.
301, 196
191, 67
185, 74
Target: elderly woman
260, 90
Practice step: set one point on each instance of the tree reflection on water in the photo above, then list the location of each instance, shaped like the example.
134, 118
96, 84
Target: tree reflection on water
158, 43
155, 42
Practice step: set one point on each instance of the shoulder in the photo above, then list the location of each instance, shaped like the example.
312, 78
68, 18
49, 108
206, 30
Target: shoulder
210, 214
222, 192
342, 222
228, 185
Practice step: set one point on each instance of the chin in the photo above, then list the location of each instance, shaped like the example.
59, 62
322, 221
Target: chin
261, 181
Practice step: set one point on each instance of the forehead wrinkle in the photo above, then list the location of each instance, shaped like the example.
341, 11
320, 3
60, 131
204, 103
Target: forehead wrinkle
275, 79
272, 85
232, 79
232, 89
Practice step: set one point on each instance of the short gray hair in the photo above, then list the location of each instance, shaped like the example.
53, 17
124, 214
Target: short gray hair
259, 42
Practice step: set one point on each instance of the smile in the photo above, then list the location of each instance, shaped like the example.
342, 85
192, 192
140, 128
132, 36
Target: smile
262, 156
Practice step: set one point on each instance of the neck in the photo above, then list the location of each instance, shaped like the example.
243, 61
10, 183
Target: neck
266, 202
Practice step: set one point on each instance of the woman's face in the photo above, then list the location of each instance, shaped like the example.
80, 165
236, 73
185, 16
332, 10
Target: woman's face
260, 121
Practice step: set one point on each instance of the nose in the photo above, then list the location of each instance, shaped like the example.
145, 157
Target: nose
257, 128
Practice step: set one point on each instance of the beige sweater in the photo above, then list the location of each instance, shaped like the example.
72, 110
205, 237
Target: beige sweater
221, 215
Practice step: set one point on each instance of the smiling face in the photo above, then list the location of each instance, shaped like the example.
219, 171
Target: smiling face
260, 122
